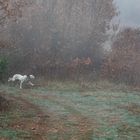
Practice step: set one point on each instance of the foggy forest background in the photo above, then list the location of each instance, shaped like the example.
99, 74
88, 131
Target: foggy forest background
67, 40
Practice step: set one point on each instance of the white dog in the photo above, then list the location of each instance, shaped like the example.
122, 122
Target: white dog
22, 78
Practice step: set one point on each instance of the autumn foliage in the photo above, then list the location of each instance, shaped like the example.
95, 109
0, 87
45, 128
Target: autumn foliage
123, 63
11, 9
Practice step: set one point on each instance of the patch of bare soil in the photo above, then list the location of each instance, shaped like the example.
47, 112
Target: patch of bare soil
35, 123
3, 138
132, 108
4, 103
74, 120
126, 130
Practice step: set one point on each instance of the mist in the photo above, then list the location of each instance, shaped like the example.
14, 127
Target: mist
129, 12
69, 70
63, 39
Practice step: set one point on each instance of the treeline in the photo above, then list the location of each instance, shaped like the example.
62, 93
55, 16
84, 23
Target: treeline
123, 62
61, 39
51, 34
120, 64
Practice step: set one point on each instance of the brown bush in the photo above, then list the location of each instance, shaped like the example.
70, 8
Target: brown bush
123, 63
4, 104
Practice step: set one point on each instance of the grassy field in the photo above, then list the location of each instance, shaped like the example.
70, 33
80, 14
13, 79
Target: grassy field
68, 111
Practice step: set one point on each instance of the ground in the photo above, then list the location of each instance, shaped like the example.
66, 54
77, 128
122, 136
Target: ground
71, 112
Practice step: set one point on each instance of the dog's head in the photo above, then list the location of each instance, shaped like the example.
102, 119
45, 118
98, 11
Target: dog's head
32, 76
9, 79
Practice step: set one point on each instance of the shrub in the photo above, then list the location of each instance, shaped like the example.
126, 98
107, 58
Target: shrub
3, 68
123, 62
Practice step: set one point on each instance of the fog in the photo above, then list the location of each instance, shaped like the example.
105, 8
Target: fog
129, 12
63, 39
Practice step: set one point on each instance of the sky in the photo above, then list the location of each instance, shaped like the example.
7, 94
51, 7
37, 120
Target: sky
129, 12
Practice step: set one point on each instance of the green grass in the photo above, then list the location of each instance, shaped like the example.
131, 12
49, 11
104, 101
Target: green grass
14, 134
106, 111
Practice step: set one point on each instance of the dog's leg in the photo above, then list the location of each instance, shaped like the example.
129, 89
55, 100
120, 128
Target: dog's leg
31, 83
21, 82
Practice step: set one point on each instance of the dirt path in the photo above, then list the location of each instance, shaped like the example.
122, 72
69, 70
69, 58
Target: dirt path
31, 119
42, 114
46, 124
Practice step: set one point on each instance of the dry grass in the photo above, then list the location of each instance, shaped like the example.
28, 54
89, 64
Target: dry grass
69, 110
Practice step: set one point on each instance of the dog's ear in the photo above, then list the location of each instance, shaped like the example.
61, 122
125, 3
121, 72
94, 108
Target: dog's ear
32, 76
